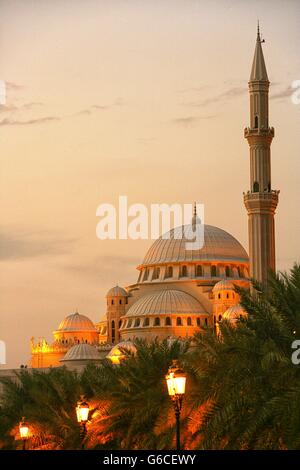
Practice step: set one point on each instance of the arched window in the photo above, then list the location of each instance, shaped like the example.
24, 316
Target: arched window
156, 321
129, 323
137, 322
169, 272
256, 122
227, 271
146, 322
113, 331
146, 274
227, 296
178, 321
189, 321
198, 321
112, 302
156, 273
256, 187
120, 301
199, 271
220, 317
206, 321
219, 295
183, 271
213, 271
168, 321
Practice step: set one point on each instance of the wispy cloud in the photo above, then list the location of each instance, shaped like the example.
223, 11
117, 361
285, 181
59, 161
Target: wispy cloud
99, 107
191, 121
9, 108
103, 267
13, 86
196, 89
18, 244
285, 93
231, 93
28, 122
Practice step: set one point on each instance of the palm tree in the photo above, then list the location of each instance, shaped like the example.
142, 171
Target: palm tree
243, 391
47, 400
245, 376
134, 408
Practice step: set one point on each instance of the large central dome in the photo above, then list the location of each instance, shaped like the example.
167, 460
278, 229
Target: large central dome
218, 246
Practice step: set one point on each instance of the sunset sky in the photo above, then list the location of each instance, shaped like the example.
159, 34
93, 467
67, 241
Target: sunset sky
142, 98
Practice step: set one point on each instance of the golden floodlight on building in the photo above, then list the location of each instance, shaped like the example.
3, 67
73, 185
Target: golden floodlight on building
118, 353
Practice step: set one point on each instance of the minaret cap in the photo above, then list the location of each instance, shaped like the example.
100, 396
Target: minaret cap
258, 71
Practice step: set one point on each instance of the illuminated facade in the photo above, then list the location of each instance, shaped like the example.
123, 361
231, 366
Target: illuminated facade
179, 291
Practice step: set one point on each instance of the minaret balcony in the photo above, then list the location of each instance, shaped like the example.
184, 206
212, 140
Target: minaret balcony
261, 201
259, 131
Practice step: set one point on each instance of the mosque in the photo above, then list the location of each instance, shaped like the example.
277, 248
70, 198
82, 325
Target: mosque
180, 291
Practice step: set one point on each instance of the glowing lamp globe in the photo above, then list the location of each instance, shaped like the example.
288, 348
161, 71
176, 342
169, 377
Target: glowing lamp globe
24, 429
82, 411
176, 380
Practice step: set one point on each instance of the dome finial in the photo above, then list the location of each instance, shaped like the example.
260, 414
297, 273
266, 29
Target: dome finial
258, 31
195, 209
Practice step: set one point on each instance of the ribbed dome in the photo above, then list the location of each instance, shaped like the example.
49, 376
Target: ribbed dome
76, 322
234, 313
117, 291
123, 345
165, 302
218, 246
81, 352
223, 285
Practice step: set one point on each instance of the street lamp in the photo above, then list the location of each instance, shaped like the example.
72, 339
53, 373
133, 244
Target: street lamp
24, 432
176, 380
82, 412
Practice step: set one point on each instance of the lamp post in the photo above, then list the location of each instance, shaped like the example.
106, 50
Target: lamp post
176, 380
24, 432
82, 412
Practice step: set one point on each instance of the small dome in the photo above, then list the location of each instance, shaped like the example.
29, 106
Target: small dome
76, 322
116, 354
117, 291
218, 246
167, 301
81, 352
116, 350
223, 285
234, 313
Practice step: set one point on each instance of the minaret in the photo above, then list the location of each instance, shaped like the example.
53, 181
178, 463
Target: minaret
261, 201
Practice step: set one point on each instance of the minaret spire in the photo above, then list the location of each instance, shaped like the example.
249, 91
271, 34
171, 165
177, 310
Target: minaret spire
259, 71
261, 201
